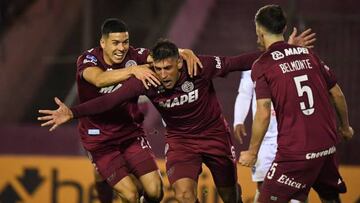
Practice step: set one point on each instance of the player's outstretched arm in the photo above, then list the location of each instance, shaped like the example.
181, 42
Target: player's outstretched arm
305, 39
259, 128
192, 61
340, 105
55, 118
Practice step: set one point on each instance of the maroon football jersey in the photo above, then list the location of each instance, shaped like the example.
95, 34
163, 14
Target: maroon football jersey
117, 124
298, 83
190, 108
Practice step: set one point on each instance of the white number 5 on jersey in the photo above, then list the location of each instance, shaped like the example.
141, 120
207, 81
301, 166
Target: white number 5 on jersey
300, 90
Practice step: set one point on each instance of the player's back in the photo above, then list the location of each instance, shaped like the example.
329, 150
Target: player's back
299, 85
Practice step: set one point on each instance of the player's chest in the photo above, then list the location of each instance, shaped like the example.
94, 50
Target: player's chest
185, 95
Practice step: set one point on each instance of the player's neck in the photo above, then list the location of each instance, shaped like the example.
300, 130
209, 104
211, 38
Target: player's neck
271, 39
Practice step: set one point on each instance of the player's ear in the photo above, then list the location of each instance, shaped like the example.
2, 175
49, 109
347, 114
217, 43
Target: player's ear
180, 62
102, 42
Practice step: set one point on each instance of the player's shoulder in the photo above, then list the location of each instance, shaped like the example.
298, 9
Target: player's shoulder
138, 51
90, 56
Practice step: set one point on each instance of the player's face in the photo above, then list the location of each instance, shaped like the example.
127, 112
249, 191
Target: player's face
168, 70
260, 37
115, 47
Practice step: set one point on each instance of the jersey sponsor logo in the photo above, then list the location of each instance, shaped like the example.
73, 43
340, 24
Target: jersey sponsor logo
90, 59
289, 181
296, 51
180, 100
314, 155
110, 89
218, 62
130, 63
277, 55
141, 51
187, 86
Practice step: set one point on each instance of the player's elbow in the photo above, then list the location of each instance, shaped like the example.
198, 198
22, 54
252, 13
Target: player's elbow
100, 83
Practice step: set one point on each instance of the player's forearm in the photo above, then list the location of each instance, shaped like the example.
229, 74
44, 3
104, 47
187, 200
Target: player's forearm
259, 128
112, 77
340, 105
129, 90
242, 62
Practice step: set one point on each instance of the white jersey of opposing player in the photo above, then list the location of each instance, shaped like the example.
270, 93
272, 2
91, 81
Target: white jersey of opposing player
246, 96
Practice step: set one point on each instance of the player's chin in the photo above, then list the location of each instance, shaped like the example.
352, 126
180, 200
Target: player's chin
117, 60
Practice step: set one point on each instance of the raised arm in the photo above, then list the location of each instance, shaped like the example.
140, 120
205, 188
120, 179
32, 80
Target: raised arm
305, 39
242, 105
192, 61
220, 66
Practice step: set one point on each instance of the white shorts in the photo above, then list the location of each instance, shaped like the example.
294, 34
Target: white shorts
265, 157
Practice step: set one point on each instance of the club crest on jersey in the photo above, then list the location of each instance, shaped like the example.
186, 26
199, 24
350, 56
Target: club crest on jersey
276, 55
130, 63
187, 86
90, 59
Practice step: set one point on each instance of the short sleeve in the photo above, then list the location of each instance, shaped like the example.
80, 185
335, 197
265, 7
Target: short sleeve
262, 88
86, 60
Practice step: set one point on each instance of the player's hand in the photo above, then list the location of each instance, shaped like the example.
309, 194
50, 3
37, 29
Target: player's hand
347, 133
305, 39
192, 61
146, 75
247, 158
54, 118
240, 132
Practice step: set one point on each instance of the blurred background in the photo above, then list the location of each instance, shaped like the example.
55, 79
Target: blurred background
40, 41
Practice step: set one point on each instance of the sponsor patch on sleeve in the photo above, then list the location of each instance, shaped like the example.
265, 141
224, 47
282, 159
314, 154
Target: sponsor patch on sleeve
90, 59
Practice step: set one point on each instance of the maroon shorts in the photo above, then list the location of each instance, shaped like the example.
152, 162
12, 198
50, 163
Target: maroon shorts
287, 180
185, 155
114, 162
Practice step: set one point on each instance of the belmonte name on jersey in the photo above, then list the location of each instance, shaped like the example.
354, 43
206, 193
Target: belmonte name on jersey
180, 100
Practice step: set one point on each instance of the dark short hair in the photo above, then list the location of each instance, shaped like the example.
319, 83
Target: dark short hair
164, 49
272, 18
112, 25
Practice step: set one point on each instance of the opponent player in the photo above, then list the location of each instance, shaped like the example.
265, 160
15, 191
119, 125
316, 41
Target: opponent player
302, 89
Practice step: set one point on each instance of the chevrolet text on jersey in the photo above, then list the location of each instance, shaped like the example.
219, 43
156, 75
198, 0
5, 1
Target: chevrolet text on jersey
177, 101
